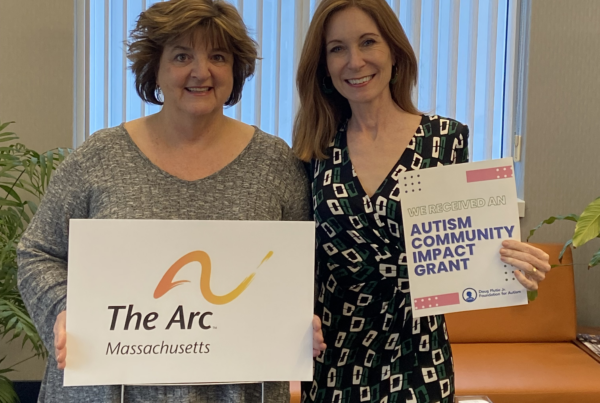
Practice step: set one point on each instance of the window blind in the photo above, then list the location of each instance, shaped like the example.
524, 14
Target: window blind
465, 48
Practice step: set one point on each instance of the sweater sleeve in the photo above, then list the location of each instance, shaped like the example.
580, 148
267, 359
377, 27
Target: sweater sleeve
43, 249
296, 194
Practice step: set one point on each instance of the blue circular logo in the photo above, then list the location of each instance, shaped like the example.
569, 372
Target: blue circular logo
469, 295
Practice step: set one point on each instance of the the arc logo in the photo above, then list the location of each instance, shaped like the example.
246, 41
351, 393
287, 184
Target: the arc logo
167, 283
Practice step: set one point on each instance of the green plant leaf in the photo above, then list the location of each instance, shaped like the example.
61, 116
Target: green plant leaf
43, 168
12, 313
11, 323
588, 225
32, 206
24, 216
562, 252
11, 192
7, 137
24, 175
532, 295
7, 391
7, 370
595, 260
49, 167
6, 169
4, 202
550, 220
4, 125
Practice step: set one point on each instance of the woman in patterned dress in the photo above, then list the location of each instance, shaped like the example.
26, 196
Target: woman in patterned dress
358, 125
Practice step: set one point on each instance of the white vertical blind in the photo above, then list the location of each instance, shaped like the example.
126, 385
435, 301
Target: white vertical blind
466, 68
512, 113
465, 48
447, 58
428, 60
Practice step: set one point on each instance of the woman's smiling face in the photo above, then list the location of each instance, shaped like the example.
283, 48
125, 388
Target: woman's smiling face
196, 78
359, 60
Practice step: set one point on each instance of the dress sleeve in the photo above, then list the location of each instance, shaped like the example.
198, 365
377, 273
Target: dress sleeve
459, 145
43, 250
464, 139
296, 194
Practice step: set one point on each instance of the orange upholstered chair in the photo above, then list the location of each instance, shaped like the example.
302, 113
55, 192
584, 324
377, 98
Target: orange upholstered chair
526, 354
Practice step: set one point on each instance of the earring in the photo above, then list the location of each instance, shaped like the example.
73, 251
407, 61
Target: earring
394, 79
325, 88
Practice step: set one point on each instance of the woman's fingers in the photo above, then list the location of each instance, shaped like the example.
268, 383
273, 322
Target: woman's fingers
60, 339
540, 264
318, 339
61, 358
316, 323
525, 267
527, 282
529, 259
531, 262
318, 348
526, 252
60, 330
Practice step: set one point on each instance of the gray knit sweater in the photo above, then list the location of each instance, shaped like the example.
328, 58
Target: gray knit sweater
108, 177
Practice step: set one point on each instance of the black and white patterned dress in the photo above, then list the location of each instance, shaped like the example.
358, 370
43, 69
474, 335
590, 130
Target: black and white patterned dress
376, 351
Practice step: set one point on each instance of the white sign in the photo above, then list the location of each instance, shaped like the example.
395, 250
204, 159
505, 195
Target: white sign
152, 301
455, 219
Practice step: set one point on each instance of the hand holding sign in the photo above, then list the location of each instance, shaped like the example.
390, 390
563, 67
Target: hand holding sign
173, 295
318, 339
532, 262
456, 220
60, 339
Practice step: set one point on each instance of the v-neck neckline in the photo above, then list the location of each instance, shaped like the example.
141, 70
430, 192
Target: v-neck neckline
223, 170
356, 179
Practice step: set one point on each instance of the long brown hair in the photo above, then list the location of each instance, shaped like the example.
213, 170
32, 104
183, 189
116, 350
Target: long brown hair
319, 114
168, 21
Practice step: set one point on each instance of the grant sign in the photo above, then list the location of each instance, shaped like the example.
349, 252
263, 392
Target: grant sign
153, 301
455, 219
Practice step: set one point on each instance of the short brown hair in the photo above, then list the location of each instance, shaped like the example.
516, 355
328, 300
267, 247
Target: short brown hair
320, 114
168, 21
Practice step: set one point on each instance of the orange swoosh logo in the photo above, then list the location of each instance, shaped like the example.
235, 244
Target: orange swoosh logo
166, 283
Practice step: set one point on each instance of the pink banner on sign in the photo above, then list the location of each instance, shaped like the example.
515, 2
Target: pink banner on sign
489, 174
437, 300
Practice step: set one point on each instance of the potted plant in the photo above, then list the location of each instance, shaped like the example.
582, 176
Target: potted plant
587, 228
24, 176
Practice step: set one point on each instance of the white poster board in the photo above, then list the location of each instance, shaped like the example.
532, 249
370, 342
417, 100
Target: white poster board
153, 301
455, 219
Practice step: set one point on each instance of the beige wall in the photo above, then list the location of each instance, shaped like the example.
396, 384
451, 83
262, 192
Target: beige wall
36, 91
36, 73
562, 134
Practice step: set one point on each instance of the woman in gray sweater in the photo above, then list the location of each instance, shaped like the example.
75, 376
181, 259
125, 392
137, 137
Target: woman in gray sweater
187, 162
